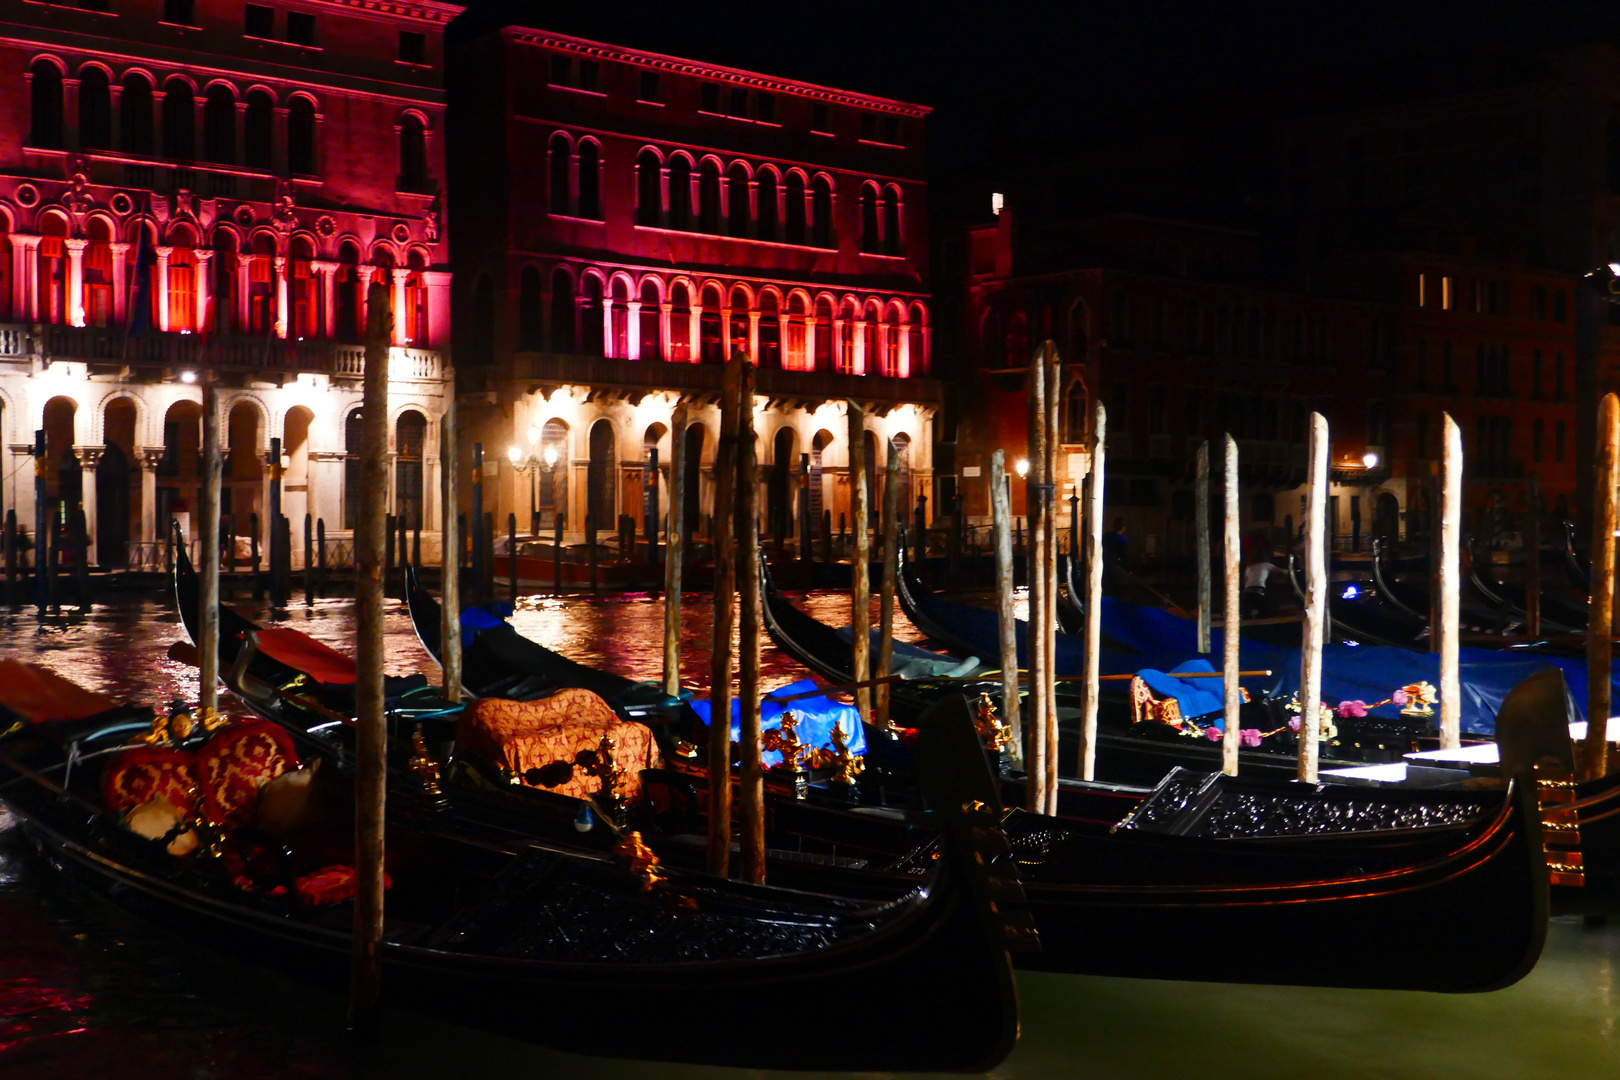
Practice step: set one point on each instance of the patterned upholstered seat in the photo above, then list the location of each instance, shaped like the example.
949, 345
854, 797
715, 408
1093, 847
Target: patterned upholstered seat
524, 735
235, 763
142, 773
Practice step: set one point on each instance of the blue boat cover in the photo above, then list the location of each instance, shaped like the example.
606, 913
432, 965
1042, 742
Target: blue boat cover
1195, 697
816, 716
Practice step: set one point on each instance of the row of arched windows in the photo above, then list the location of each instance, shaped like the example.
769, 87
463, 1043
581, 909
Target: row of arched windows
236, 130
683, 321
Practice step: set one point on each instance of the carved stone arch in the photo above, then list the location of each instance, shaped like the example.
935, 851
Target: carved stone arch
106, 69
260, 88
659, 155
748, 296
711, 287
768, 290
720, 166
106, 218
419, 115
382, 253
264, 236
688, 282
621, 277
896, 308
98, 435
742, 163
307, 95
917, 313
50, 58
8, 217
396, 411
271, 424
803, 297
657, 282
221, 81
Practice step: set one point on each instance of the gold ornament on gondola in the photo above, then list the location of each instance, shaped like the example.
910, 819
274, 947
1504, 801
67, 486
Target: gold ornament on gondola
995, 734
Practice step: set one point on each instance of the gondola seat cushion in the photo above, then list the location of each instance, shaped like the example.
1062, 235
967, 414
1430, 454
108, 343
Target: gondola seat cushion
524, 735
236, 763
143, 773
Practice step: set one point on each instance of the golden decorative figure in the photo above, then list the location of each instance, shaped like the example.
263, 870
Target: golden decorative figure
603, 767
211, 720
643, 864
159, 735
181, 724
785, 741
995, 734
845, 765
685, 749
423, 765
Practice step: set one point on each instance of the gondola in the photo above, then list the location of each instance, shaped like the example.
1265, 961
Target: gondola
597, 955
1346, 837
1558, 615
1360, 619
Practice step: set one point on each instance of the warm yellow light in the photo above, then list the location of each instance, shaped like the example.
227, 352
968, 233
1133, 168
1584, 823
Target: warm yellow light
188, 377
1370, 460
1022, 468
551, 455
534, 435
512, 454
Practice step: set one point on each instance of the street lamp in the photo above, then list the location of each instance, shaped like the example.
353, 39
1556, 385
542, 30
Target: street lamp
1370, 460
1022, 468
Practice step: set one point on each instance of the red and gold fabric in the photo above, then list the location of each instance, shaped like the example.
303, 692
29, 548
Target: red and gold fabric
143, 773
524, 735
235, 763
303, 653
40, 695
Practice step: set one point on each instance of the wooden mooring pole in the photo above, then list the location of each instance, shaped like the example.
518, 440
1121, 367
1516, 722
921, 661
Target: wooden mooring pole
1310, 672
860, 593
1037, 505
208, 601
725, 595
371, 732
1091, 688
450, 544
891, 566
675, 552
1451, 490
1201, 500
477, 523
511, 559
1231, 632
1600, 627
751, 627
1007, 623
1053, 370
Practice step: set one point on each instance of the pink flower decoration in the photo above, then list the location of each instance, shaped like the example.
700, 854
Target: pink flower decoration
1294, 725
1249, 736
1399, 697
1212, 733
1352, 708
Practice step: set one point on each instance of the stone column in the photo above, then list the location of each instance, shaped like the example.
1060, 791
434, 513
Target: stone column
632, 330
280, 264
607, 322
241, 287
400, 314
120, 266
25, 263
753, 336
663, 195
89, 457
903, 365
664, 341
694, 332
161, 271
810, 349
20, 492
203, 287
151, 458
75, 281
328, 287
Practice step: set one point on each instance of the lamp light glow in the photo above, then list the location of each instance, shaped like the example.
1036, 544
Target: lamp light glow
188, 377
1022, 468
1370, 460
534, 435
512, 454
551, 455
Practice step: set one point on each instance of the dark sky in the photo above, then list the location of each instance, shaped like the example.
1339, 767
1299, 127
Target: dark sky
1008, 77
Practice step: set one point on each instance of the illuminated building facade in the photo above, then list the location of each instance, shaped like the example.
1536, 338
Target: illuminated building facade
625, 220
206, 186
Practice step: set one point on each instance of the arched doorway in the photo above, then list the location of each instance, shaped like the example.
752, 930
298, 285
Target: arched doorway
113, 478
654, 440
818, 496
64, 485
352, 439
242, 492
295, 494
601, 476
692, 496
779, 490
410, 435
1386, 517
555, 464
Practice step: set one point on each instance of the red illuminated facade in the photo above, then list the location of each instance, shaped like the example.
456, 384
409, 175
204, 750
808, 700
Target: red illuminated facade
625, 220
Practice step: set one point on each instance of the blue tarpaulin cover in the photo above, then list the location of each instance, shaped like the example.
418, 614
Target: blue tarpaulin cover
816, 716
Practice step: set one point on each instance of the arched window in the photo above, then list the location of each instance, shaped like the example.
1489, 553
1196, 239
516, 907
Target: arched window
301, 137
649, 189
765, 210
45, 89
1537, 438
793, 231
261, 287
413, 170
737, 200
562, 311
98, 266
590, 316
871, 358
258, 129
796, 348
305, 288
140, 272
821, 213
770, 332
554, 477
559, 161
737, 332
135, 115
590, 202
50, 270
891, 220
529, 309
889, 357
680, 192
601, 475
619, 318
710, 341
680, 323
95, 110
917, 342
824, 335
902, 449
870, 241
650, 318
182, 281
219, 126
224, 287
410, 438
709, 197
1558, 442
347, 290
417, 325
847, 317
179, 120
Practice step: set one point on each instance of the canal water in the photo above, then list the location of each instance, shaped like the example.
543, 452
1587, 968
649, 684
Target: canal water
87, 991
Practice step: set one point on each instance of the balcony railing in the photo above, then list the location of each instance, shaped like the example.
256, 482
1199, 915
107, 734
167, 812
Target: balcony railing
110, 345
771, 382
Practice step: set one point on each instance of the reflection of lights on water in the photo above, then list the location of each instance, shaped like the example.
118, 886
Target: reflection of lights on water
1352, 644
1351, 592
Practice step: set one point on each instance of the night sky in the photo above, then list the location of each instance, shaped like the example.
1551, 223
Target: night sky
1011, 79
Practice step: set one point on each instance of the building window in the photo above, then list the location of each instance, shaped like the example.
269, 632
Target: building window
412, 154
820, 118
821, 212
1445, 293
680, 323
680, 192
709, 98
1558, 377
793, 219
765, 193
259, 21
562, 311
412, 47
98, 276
1538, 303
650, 90
871, 242
709, 197
765, 108
1558, 442
45, 87
561, 70
1536, 433
301, 137
179, 120
739, 103
590, 202
135, 115
95, 110
559, 166
219, 126
589, 72
868, 126
301, 28
258, 128
737, 185
649, 195
891, 220
178, 12
892, 130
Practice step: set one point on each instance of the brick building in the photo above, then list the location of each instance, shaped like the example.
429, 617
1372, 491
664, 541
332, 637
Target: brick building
625, 220
204, 186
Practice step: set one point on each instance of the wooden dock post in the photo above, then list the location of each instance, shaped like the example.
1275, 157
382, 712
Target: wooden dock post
674, 552
1600, 627
805, 553
1231, 632
371, 731
42, 524
591, 555
1310, 672
1037, 505
208, 556
860, 593
1007, 623
320, 556
449, 544
1201, 493
557, 525
725, 595
1094, 578
511, 559
11, 556
1451, 490
309, 561
891, 566
477, 521
651, 523
751, 627
1053, 372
